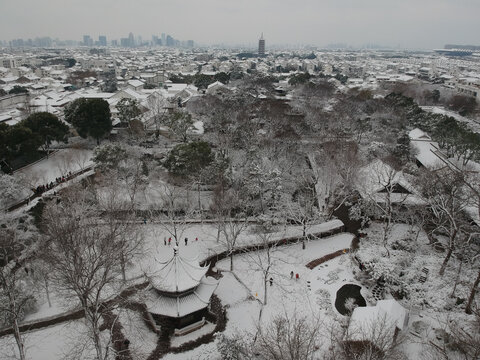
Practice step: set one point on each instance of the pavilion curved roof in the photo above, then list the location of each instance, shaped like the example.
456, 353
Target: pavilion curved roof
176, 275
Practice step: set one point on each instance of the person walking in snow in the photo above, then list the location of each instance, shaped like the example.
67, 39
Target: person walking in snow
291, 274
186, 241
169, 241
297, 276
165, 240
271, 281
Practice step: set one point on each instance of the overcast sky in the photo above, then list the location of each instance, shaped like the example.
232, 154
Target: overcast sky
402, 23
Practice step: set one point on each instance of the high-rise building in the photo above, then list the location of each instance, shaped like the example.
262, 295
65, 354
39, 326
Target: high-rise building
164, 39
102, 40
170, 41
261, 46
87, 40
131, 40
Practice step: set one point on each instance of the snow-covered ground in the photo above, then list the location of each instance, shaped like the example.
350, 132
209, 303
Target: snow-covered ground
285, 294
242, 292
55, 342
305, 297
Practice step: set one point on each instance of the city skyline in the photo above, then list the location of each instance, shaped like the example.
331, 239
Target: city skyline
407, 24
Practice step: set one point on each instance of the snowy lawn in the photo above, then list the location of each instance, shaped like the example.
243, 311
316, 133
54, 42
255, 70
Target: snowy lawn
52, 343
206, 245
286, 295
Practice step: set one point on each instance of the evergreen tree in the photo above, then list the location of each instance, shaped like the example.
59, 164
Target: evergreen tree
90, 117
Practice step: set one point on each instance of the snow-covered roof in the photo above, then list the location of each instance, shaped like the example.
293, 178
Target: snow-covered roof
426, 151
181, 305
376, 177
366, 322
417, 134
177, 274
136, 83
216, 83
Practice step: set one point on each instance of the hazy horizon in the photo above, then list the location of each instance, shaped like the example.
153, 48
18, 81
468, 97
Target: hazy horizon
403, 24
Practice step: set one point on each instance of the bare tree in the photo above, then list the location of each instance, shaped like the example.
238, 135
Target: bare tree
381, 196
447, 199
303, 209
469, 306
289, 337
285, 337
118, 215
158, 109
263, 259
231, 229
15, 297
175, 211
457, 339
85, 257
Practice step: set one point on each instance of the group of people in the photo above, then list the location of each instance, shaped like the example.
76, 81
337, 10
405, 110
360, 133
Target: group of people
42, 188
169, 241
292, 274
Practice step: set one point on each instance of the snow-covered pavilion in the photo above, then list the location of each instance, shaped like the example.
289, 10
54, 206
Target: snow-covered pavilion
377, 325
179, 292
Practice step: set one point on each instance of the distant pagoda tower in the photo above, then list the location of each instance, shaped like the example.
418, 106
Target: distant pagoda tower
179, 292
261, 46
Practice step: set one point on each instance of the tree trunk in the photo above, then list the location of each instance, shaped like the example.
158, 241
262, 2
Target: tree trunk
199, 200
47, 291
386, 231
266, 289
91, 319
449, 253
445, 261
231, 261
468, 308
98, 344
18, 339
456, 279
122, 265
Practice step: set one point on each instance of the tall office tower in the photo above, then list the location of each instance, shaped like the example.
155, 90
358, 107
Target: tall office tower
102, 40
170, 41
164, 39
261, 46
131, 40
87, 40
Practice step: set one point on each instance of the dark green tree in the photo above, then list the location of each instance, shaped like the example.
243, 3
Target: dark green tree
21, 141
202, 81
128, 110
90, 117
402, 148
189, 159
46, 126
16, 141
301, 78
223, 77
18, 90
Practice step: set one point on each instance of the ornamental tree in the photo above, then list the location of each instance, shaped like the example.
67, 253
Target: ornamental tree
90, 117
